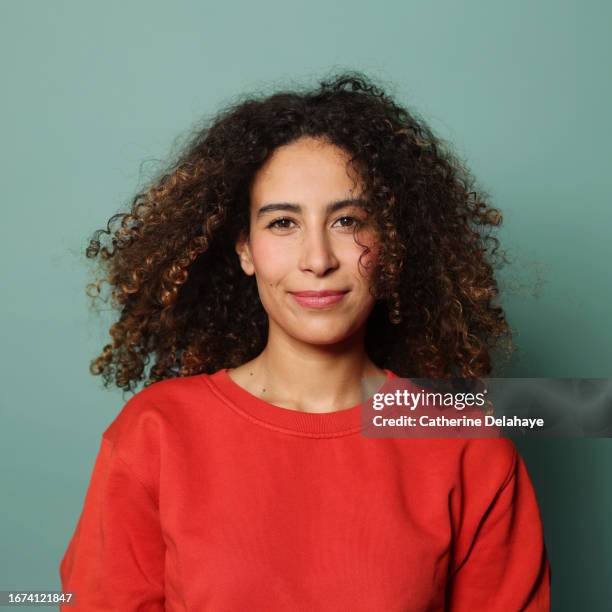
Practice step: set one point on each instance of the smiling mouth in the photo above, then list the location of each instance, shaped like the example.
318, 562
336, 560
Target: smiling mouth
318, 299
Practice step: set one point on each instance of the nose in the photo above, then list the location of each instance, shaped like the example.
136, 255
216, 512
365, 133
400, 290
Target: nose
317, 253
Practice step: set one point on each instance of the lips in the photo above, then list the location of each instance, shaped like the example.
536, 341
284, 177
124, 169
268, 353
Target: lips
317, 293
318, 299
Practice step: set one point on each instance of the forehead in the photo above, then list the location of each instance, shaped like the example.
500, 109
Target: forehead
308, 169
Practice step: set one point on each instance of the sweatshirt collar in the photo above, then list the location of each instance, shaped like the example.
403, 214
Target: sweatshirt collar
310, 424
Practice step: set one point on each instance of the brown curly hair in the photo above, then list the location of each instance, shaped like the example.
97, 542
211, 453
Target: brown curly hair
184, 300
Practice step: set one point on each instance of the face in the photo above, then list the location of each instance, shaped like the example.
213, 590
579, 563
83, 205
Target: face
305, 206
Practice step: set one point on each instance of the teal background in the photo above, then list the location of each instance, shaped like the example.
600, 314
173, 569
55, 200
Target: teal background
94, 92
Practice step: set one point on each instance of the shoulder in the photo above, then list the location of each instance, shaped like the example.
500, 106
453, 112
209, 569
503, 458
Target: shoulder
493, 459
469, 465
156, 408
498, 454
153, 423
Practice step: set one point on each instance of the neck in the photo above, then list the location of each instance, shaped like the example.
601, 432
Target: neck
310, 378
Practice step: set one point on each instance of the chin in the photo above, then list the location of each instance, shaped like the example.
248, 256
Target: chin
321, 336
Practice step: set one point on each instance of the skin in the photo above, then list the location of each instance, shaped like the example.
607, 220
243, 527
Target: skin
314, 360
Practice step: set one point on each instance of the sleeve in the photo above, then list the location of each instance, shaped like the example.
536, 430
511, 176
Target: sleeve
502, 563
115, 558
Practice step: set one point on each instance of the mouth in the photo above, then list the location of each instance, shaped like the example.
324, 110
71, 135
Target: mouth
318, 299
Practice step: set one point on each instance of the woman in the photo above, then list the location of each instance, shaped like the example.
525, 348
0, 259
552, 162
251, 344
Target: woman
300, 243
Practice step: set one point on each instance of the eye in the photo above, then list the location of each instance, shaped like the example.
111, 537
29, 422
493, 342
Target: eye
274, 223
353, 222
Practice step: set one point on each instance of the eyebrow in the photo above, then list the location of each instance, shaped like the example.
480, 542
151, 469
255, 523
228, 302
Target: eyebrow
296, 208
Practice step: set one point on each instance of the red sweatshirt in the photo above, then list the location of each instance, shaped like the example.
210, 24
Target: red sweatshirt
204, 497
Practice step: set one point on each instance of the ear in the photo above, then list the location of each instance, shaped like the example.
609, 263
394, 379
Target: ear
243, 249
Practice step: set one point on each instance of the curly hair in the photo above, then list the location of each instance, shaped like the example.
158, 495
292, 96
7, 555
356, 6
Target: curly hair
184, 302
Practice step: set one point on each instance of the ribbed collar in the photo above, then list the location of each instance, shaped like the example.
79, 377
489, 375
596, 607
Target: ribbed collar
308, 424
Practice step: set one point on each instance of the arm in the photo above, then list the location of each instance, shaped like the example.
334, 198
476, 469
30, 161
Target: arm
115, 559
500, 561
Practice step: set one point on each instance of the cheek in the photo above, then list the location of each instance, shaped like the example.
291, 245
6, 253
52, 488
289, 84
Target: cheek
270, 259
